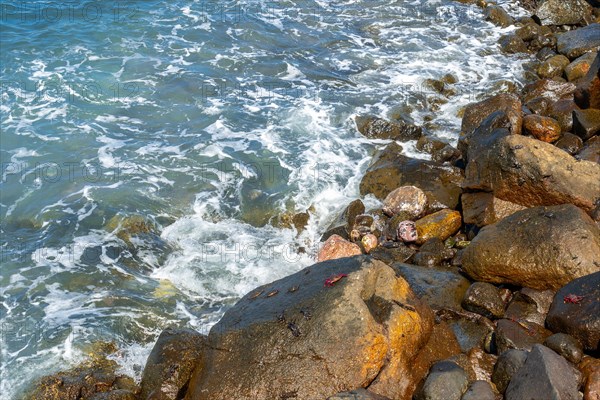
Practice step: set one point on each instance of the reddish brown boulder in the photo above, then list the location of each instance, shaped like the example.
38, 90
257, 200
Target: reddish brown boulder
483, 208
476, 113
337, 247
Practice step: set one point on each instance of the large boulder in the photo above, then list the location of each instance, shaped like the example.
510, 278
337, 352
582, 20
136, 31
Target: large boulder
545, 375
171, 363
476, 113
390, 170
576, 310
562, 12
529, 172
335, 326
579, 41
540, 248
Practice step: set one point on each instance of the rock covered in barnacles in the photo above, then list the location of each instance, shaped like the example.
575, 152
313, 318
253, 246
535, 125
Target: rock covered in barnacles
369, 242
407, 231
409, 199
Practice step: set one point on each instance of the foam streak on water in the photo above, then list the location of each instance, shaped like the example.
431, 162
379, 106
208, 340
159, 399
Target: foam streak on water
207, 120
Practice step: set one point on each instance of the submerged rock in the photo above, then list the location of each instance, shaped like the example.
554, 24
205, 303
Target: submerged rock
362, 330
575, 310
377, 128
540, 248
498, 16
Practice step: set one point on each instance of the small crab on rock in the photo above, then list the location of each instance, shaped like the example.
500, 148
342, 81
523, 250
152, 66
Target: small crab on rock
333, 279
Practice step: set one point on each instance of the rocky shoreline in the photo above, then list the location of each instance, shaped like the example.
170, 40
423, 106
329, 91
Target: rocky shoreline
478, 278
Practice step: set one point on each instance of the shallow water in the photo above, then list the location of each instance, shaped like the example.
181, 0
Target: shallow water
205, 120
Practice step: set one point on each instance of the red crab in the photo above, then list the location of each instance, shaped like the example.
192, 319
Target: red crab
573, 299
333, 279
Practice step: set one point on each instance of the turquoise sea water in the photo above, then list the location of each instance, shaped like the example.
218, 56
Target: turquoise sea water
201, 120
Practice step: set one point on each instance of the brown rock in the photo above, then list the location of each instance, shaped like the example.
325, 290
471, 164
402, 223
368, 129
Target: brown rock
498, 16
570, 143
377, 128
520, 335
586, 123
337, 247
476, 113
587, 94
512, 44
545, 129
390, 170
590, 370
552, 67
441, 225
171, 363
364, 330
483, 208
562, 111
579, 67
529, 172
539, 248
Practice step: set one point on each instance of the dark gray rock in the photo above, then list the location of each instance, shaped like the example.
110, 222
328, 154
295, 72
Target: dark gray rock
562, 12
565, 345
590, 150
578, 317
483, 298
521, 335
530, 305
479, 390
545, 375
576, 42
171, 363
446, 381
512, 44
507, 365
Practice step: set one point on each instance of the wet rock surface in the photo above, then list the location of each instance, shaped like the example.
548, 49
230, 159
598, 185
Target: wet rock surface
390, 170
519, 334
482, 208
575, 310
479, 390
566, 346
446, 381
565, 240
377, 128
170, 364
483, 298
545, 375
361, 330
476, 113
562, 12
509, 362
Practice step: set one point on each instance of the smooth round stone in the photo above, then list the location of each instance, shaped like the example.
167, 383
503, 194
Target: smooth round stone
408, 199
565, 345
